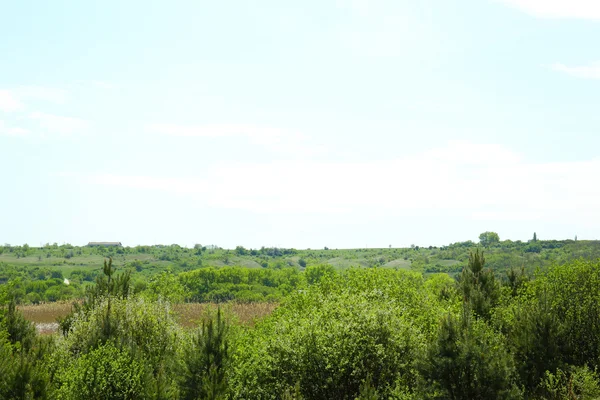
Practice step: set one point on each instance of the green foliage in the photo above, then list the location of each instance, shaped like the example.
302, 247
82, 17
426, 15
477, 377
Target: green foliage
206, 361
240, 284
329, 339
19, 330
366, 390
107, 372
142, 330
516, 279
554, 321
38, 276
469, 361
107, 286
488, 239
22, 371
534, 247
315, 273
537, 340
241, 251
148, 327
166, 286
372, 331
478, 286
576, 383
442, 286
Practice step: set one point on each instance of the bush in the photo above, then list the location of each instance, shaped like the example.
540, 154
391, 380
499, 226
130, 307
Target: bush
23, 374
330, 339
136, 326
106, 372
576, 383
18, 329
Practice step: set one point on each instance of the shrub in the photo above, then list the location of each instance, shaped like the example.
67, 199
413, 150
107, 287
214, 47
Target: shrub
19, 330
106, 372
330, 339
574, 383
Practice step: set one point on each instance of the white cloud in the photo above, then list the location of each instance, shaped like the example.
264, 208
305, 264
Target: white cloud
360, 7
12, 131
52, 95
217, 130
8, 102
591, 71
381, 29
16, 131
471, 180
103, 85
278, 140
57, 123
572, 9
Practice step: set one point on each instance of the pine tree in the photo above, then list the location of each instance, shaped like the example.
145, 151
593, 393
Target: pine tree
516, 279
468, 361
538, 341
107, 285
207, 361
479, 286
367, 391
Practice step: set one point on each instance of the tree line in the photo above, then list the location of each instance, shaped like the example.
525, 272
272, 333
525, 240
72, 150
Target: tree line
368, 333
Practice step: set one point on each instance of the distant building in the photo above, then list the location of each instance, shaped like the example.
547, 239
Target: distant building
105, 244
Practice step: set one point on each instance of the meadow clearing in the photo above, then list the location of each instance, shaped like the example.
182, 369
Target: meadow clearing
189, 315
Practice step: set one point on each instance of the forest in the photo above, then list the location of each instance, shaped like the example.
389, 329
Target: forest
488, 320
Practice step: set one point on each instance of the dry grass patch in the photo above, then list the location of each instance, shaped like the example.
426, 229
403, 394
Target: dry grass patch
45, 313
44, 316
190, 314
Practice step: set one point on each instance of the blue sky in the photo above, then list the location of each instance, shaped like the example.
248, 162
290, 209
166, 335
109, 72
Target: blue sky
339, 123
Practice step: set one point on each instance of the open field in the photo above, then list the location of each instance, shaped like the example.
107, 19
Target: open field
188, 314
81, 262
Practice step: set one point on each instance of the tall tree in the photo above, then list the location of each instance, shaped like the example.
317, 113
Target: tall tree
479, 286
207, 361
468, 360
487, 239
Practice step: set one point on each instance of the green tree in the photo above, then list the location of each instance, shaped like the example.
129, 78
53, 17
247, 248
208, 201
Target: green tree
315, 273
207, 361
488, 239
241, 251
468, 361
516, 279
537, 341
107, 286
19, 330
166, 286
478, 286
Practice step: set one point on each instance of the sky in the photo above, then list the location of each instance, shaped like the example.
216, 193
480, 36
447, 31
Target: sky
339, 123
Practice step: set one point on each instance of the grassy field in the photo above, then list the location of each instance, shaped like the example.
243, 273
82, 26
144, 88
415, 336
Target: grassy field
44, 316
83, 262
190, 314
400, 264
